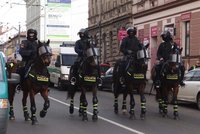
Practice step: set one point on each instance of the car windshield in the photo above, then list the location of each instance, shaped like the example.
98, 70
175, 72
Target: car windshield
193, 75
109, 71
68, 60
104, 68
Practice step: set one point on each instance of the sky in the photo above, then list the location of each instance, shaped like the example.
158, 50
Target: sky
11, 13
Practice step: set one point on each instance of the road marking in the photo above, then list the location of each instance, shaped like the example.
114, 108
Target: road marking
102, 118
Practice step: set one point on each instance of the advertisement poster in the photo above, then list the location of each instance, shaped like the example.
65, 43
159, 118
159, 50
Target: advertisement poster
59, 20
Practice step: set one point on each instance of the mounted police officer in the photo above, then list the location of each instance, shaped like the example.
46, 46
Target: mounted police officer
28, 51
129, 46
80, 47
163, 54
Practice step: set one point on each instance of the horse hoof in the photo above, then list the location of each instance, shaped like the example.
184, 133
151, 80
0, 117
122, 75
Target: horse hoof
124, 111
84, 118
71, 109
12, 117
43, 113
132, 117
34, 121
27, 117
94, 117
80, 112
142, 116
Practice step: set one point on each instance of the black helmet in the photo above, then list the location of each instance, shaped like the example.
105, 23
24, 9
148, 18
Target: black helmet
83, 33
32, 34
166, 36
131, 31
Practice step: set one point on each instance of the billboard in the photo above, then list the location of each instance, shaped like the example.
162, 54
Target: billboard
59, 20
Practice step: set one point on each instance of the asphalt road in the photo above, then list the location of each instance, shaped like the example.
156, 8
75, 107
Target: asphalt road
59, 121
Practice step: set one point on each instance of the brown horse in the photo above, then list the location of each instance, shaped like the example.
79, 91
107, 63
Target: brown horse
86, 80
170, 78
135, 79
38, 80
13, 82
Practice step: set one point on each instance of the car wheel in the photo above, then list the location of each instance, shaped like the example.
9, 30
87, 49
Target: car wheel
198, 101
51, 84
59, 85
170, 97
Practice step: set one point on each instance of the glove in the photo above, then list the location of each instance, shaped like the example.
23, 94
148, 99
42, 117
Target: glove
129, 51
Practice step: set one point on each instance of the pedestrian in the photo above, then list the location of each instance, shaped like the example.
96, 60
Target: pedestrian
197, 65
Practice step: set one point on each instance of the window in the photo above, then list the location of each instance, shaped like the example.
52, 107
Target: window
189, 75
187, 38
196, 76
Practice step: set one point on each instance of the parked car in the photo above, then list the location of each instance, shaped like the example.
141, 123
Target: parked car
107, 81
104, 67
3, 95
191, 91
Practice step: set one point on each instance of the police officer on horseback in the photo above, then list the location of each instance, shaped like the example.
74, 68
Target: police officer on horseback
80, 47
163, 55
28, 51
129, 46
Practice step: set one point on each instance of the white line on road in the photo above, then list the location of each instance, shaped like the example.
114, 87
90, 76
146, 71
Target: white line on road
102, 118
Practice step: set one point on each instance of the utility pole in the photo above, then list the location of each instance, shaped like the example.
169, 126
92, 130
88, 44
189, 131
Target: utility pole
18, 44
100, 35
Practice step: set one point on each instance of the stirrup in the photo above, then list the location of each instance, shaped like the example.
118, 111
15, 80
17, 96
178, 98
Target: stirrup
18, 88
73, 81
121, 80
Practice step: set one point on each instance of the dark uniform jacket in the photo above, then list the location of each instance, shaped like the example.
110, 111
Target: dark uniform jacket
28, 50
132, 44
81, 46
165, 49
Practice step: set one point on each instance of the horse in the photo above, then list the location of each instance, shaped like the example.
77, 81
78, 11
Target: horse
87, 80
135, 79
37, 81
13, 83
169, 81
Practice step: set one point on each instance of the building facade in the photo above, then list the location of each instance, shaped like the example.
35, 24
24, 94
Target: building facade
106, 19
181, 17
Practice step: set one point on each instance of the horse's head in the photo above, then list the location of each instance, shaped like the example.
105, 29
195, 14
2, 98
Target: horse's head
141, 60
175, 58
44, 52
92, 55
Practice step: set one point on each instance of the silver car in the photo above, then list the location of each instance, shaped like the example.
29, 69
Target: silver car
191, 91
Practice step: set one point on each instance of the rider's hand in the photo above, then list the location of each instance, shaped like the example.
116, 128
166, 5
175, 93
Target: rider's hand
161, 59
129, 51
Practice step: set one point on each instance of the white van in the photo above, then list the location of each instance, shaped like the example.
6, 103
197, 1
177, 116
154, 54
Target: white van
59, 72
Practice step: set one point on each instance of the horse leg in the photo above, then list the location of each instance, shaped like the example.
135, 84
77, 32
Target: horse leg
143, 105
124, 109
25, 109
116, 95
116, 104
84, 107
81, 104
132, 106
11, 94
95, 104
175, 104
33, 108
44, 94
160, 100
165, 101
71, 94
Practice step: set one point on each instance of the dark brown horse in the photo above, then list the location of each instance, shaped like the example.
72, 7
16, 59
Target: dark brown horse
170, 78
87, 80
38, 80
135, 79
